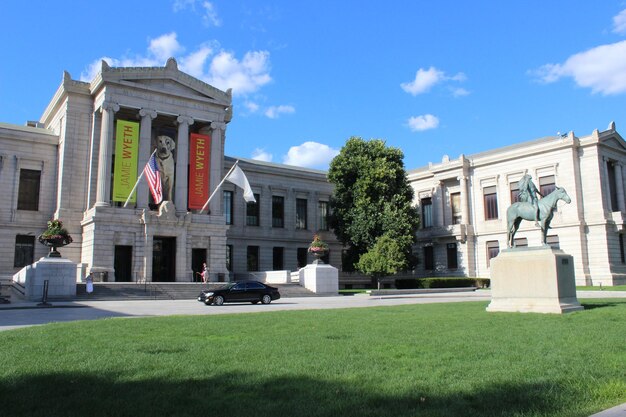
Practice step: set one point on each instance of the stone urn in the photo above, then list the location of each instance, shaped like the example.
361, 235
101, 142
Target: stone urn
318, 255
53, 243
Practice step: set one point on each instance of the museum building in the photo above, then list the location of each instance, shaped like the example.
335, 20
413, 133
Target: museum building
463, 204
79, 163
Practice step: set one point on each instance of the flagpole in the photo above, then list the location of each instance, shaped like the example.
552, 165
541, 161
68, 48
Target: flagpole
218, 186
138, 179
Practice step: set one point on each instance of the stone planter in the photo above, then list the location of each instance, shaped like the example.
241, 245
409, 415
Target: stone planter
54, 243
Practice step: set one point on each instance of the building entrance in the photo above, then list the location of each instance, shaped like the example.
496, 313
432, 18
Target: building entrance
198, 257
123, 263
163, 259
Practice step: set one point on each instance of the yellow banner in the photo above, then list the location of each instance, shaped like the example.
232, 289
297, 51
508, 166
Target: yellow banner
126, 151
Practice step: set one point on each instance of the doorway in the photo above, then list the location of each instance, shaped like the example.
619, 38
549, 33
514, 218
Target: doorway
163, 259
198, 257
123, 263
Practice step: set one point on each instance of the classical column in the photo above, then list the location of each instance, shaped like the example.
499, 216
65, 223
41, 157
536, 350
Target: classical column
182, 160
145, 138
103, 190
464, 200
604, 186
619, 186
442, 204
217, 157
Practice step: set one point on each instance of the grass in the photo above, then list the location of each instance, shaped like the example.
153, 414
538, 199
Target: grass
603, 288
415, 360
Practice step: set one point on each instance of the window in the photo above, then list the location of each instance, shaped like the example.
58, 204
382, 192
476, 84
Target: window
429, 258
301, 213
452, 256
277, 259
490, 197
302, 257
621, 248
229, 257
28, 194
252, 212
254, 286
24, 250
515, 192
427, 212
228, 207
610, 167
520, 242
546, 185
253, 258
323, 213
455, 204
553, 241
493, 249
278, 211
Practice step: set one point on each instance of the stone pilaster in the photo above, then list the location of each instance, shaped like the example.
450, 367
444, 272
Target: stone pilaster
217, 157
182, 160
145, 138
464, 200
103, 189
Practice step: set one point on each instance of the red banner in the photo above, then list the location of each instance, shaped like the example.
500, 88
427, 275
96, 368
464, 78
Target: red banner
199, 157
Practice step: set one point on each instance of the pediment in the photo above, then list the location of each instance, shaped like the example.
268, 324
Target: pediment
615, 142
168, 80
171, 87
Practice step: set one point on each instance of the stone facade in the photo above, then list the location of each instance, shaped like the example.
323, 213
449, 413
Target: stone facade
70, 150
591, 228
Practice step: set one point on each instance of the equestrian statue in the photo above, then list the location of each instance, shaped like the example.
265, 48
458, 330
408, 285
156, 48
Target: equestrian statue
531, 208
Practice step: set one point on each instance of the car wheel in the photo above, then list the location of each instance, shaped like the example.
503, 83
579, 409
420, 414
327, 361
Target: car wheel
218, 300
266, 299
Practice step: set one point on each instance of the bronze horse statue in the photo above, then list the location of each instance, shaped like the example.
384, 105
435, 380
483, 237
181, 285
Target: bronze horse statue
526, 211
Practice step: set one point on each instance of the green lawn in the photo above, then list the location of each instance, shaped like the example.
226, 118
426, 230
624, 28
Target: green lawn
603, 288
416, 360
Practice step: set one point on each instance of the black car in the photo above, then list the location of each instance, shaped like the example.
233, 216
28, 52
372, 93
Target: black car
239, 292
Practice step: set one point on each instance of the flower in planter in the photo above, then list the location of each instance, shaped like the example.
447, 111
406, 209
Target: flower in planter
55, 231
318, 245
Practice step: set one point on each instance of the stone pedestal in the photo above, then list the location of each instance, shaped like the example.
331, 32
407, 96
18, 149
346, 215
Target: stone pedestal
320, 279
533, 280
59, 272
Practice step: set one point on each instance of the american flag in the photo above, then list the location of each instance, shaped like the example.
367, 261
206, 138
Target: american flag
151, 171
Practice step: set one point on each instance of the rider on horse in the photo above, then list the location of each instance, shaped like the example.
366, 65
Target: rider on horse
528, 193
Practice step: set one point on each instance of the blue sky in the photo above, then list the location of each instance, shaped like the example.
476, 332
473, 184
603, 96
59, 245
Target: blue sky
433, 78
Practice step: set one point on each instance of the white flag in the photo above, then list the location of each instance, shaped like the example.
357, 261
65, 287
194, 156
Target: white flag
238, 178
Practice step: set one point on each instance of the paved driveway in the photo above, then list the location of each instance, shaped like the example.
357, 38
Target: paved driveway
28, 314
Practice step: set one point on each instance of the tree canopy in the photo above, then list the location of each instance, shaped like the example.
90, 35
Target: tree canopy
372, 198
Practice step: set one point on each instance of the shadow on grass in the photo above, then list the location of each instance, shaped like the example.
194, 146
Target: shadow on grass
589, 306
250, 394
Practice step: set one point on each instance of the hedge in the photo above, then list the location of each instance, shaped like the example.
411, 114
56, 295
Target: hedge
413, 283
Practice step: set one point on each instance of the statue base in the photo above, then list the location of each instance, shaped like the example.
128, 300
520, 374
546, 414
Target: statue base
533, 280
320, 279
59, 272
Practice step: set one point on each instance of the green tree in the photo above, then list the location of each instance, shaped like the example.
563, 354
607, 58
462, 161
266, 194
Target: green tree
372, 198
385, 258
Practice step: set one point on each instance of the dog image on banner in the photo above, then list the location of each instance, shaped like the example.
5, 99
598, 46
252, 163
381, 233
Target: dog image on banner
165, 160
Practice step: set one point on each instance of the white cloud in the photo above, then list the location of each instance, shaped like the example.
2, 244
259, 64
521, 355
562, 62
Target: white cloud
459, 92
245, 76
251, 106
165, 46
619, 23
219, 68
261, 155
424, 122
603, 69
426, 79
184, 4
310, 155
210, 17
193, 64
274, 111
